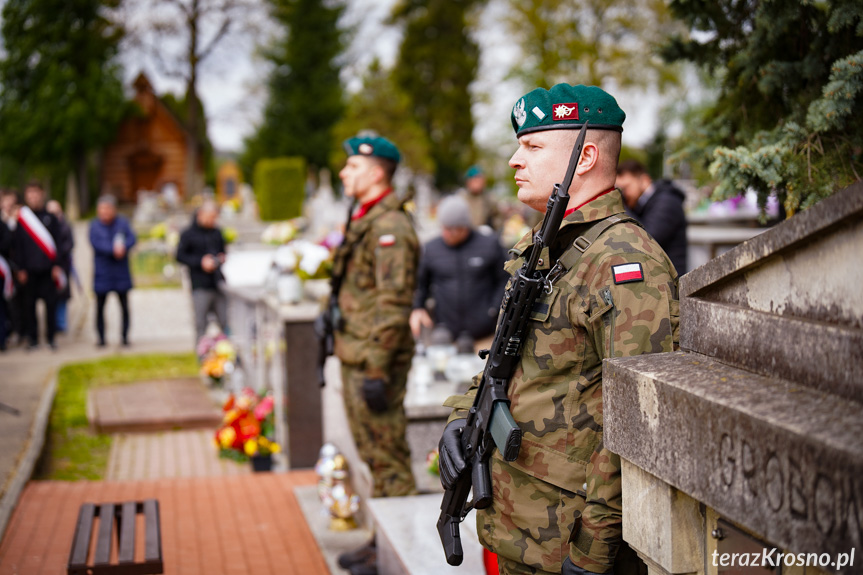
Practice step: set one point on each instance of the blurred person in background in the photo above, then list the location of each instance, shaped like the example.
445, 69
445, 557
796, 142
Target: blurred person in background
202, 250
462, 271
658, 206
483, 209
36, 253
65, 245
111, 237
10, 203
7, 282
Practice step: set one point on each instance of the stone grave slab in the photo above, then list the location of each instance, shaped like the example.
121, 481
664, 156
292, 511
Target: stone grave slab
152, 406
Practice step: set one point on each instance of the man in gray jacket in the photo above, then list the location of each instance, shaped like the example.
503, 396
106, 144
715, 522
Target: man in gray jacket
462, 271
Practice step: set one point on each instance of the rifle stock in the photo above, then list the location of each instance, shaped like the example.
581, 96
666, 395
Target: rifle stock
489, 421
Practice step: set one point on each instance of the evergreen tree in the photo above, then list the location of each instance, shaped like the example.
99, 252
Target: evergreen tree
305, 93
381, 106
437, 64
60, 93
592, 42
788, 117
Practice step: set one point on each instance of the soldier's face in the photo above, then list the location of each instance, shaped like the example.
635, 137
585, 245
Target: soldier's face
540, 162
359, 176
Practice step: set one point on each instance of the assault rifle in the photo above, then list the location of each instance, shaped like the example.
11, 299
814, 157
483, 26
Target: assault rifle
489, 421
331, 318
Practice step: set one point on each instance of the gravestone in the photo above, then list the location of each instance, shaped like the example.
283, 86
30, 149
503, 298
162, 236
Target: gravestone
750, 435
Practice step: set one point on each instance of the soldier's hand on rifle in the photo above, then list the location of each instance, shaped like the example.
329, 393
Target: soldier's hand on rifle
569, 569
375, 394
452, 463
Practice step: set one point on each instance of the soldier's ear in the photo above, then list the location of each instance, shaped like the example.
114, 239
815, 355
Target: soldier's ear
589, 158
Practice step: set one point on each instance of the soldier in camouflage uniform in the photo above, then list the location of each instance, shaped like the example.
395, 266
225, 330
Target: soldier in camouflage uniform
481, 205
557, 508
378, 262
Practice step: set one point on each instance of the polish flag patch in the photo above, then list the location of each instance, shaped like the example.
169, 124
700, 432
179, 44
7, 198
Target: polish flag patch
626, 273
387, 240
565, 111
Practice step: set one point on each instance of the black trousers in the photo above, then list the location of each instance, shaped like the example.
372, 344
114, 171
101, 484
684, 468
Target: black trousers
101, 298
40, 285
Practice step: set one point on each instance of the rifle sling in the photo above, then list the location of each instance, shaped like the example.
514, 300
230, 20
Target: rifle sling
570, 257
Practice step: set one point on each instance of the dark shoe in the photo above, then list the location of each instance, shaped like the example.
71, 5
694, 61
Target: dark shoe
100, 343
52, 345
125, 342
368, 567
32, 347
358, 556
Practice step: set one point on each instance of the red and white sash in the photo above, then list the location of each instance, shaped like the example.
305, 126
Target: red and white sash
6, 278
37, 232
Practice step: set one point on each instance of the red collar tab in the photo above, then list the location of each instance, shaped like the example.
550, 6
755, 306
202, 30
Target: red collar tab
571, 210
364, 209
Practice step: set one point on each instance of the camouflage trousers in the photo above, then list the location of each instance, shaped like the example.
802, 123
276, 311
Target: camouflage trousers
530, 523
381, 437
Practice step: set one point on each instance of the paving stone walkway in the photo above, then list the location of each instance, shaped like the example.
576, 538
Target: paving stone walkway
210, 526
168, 454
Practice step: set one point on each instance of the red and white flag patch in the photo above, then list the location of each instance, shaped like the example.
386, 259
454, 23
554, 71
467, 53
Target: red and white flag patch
387, 240
626, 273
565, 111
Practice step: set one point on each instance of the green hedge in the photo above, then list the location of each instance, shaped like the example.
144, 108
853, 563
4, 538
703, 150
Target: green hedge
280, 187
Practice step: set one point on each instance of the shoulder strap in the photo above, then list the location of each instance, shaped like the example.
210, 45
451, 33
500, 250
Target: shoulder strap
570, 257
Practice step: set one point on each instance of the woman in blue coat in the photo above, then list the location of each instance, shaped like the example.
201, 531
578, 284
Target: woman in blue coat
111, 237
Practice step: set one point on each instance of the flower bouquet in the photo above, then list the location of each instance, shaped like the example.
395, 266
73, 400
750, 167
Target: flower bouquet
217, 356
248, 427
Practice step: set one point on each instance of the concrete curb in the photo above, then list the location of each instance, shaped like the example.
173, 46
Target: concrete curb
31, 454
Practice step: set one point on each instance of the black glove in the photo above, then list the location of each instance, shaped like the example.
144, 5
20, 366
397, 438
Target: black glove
375, 394
451, 462
569, 569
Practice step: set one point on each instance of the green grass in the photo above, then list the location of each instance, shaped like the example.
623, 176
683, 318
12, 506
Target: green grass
147, 269
72, 451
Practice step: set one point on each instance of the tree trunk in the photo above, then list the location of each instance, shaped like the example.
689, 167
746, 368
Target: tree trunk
83, 183
192, 108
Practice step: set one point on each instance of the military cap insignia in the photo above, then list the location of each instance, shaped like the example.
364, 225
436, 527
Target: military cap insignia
366, 149
538, 113
519, 113
626, 273
567, 111
387, 240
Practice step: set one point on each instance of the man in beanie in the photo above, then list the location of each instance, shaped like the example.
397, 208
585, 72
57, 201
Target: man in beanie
377, 263
482, 207
557, 507
462, 271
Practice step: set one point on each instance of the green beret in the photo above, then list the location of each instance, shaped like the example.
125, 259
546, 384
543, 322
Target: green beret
566, 107
372, 145
473, 172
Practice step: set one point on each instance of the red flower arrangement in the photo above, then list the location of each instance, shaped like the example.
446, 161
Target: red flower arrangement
248, 427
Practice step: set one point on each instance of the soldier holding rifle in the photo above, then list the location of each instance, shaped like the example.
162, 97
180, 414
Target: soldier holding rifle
606, 289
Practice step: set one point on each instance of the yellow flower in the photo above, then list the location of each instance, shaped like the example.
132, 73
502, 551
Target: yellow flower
274, 447
227, 436
251, 447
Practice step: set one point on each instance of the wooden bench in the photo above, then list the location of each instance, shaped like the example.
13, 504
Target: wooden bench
119, 517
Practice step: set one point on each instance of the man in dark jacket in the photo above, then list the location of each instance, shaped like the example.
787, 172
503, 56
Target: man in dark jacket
462, 271
202, 249
111, 237
36, 256
6, 281
66, 243
658, 206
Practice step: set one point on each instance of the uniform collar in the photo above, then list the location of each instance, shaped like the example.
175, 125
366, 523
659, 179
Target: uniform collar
364, 209
600, 207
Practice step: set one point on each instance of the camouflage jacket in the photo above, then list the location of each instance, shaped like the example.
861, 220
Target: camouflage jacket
378, 260
556, 391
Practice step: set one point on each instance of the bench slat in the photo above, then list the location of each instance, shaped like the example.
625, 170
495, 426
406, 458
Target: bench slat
81, 541
106, 528
127, 533
153, 542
